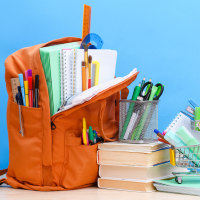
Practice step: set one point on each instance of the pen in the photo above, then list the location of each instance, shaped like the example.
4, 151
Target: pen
30, 91
22, 87
159, 134
36, 90
90, 70
143, 82
136, 93
192, 103
188, 115
26, 93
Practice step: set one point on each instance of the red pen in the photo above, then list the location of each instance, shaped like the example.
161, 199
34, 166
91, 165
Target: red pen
30, 91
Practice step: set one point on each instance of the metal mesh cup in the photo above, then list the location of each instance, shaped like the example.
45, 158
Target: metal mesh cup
137, 121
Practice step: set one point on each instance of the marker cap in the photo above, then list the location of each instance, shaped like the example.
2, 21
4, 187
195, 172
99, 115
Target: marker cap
30, 83
36, 81
21, 80
26, 87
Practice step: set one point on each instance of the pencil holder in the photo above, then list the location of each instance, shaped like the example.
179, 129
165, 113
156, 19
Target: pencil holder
137, 122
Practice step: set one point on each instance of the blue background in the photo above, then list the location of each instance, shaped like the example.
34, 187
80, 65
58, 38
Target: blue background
160, 38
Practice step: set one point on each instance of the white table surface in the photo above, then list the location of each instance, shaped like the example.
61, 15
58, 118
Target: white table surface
91, 193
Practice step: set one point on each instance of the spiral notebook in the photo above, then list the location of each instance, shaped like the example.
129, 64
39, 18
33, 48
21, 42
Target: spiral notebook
181, 120
71, 69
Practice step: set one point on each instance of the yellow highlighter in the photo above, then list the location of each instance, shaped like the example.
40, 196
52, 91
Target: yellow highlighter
84, 133
26, 93
96, 75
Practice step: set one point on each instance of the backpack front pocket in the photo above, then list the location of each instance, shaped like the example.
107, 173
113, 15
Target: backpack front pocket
25, 157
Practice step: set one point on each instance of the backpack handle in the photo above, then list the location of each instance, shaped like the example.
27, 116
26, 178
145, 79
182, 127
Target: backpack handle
124, 95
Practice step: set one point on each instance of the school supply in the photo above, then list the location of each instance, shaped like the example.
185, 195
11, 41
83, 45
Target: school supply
26, 75
26, 93
149, 147
197, 118
36, 90
21, 80
131, 124
190, 110
186, 136
50, 58
143, 173
18, 97
72, 68
161, 136
106, 157
193, 103
14, 84
190, 185
30, 91
84, 133
96, 68
94, 41
19, 101
83, 77
91, 135
90, 72
188, 115
150, 94
134, 164
121, 184
50, 154
136, 93
86, 20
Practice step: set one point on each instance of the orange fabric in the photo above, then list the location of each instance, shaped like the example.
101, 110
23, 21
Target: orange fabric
46, 159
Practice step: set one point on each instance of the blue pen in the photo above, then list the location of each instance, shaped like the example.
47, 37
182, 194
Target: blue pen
193, 104
21, 80
188, 115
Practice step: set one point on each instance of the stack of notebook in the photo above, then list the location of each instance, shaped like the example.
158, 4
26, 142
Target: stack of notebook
132, 166
63, 70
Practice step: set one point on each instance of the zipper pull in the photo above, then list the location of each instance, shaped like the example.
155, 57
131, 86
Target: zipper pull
53, 126
21, 121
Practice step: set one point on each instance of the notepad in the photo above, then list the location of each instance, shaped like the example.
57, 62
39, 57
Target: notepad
71, 69
190, 185
50, 57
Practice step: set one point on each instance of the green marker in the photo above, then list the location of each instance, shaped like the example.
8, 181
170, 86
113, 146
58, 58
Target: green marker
91, 135
136, 93
138, 130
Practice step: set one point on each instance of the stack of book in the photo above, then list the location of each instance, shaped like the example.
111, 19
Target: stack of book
132, 166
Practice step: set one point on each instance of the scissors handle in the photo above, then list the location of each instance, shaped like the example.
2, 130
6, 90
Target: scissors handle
159, 91
146, 93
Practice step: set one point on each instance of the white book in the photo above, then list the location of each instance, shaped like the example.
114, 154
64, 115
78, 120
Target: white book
141, 173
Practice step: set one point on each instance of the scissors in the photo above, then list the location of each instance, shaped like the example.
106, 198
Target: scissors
151, 92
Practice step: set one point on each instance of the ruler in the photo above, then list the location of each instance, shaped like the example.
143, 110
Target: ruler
86, 21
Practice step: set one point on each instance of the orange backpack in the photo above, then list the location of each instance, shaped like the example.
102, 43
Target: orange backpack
47, 158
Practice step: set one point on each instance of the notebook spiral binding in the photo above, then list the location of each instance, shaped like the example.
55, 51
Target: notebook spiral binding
174, 121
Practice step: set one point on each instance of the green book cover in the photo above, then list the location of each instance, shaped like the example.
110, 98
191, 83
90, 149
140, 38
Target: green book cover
188, 181
50, 58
